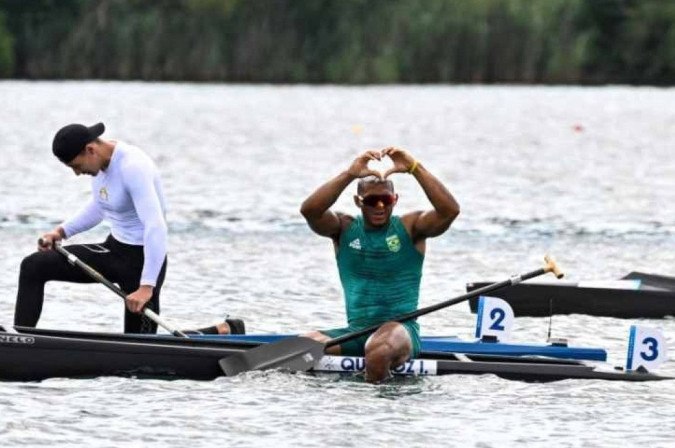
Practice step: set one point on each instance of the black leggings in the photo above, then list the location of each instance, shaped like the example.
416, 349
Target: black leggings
118, 262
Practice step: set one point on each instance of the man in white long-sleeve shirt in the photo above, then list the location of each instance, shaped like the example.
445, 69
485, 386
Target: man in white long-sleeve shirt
127, 193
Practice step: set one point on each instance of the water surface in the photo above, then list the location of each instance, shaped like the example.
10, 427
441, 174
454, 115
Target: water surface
583, 173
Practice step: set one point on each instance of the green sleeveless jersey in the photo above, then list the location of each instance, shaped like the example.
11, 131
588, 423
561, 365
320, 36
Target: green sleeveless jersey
380, 271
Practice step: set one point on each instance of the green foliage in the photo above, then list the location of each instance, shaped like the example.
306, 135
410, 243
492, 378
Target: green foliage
6, 50
341, 41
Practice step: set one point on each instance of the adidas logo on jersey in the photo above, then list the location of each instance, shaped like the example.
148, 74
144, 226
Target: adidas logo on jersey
355, 244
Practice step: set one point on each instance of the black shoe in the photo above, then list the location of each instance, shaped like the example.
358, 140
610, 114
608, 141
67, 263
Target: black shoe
236, 326
5, 331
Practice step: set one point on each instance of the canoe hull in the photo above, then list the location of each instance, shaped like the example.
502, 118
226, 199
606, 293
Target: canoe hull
34, 357
538, 300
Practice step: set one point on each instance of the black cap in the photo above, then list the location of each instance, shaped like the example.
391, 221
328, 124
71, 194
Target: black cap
71, 140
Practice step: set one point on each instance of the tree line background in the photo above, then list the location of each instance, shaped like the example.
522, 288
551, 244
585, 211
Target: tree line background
341, 41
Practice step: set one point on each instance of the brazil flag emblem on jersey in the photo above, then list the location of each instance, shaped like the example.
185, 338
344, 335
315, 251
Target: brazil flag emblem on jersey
393, 243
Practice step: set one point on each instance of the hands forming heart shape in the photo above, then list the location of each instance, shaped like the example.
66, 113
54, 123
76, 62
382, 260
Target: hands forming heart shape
400, 161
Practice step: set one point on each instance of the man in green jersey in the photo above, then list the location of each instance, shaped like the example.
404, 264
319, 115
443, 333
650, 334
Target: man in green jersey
379, 256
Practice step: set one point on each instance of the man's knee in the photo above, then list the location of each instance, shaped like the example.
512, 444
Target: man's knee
379, 353
33, 265
390, 344
380, 359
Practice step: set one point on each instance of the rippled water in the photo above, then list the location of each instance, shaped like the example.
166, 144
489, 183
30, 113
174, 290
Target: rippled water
584, 173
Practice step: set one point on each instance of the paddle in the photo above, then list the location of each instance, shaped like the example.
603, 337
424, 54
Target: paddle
91, 272
300, 353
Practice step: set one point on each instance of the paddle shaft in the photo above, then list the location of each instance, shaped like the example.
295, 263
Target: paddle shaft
550, 267
301, 353
94, 274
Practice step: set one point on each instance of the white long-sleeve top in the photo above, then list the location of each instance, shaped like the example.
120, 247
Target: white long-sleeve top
128, 194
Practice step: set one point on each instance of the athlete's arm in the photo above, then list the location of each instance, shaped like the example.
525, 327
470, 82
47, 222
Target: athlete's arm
429, 223
139, 180
316, 208
89, 216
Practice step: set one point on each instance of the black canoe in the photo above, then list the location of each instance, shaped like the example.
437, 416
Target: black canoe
33, 356
653, 298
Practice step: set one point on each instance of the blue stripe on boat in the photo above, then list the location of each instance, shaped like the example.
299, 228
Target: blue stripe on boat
453, 344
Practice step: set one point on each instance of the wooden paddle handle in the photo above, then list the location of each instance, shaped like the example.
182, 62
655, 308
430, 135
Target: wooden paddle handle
551, 266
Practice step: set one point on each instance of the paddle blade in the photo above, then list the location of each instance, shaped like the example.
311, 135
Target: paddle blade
296, 354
